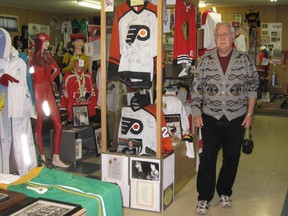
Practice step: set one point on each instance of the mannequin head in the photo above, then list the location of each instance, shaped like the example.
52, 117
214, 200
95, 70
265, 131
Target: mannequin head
41, 42
78, 40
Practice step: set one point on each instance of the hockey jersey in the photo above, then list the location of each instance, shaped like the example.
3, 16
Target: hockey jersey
66, 30
133, 45
253, 19
209, 21
78, 90
185, 50
141, 124
173, 105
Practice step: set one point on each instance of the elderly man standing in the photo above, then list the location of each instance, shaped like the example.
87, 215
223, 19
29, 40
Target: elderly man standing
223, 99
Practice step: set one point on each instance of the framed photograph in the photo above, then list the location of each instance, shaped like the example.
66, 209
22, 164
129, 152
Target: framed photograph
80, 116
97, 135
173, 122
129, 146
238, 17
145, 169
48, 207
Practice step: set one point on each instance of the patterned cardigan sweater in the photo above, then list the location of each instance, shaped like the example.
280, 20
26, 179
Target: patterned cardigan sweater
216, 94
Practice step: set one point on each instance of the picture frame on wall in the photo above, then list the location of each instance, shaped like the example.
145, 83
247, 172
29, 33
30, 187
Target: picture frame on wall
9, 23
238, 17
80, 116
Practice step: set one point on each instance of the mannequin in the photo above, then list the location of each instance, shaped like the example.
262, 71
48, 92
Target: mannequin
20, 110
5, 123
16, 110
43, 64
78, 41
78, 89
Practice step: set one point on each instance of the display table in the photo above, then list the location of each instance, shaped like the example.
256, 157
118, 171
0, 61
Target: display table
97, 197
68, 151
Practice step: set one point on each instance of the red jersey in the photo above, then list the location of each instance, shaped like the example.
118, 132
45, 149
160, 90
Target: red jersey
185, 50
78, 90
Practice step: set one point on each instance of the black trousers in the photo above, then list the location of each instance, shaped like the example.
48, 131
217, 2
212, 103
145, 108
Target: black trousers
216, 135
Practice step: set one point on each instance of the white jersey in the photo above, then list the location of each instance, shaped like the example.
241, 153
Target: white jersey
134, 44
141, 124
173, 105
211, 21
20, 101
66, 30
240, 43
137, 49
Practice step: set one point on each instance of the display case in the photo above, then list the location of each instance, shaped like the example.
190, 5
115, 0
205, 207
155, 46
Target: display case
143, 193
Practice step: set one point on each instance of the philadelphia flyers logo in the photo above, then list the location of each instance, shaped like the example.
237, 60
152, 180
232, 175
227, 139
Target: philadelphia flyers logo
140, 32
133, 125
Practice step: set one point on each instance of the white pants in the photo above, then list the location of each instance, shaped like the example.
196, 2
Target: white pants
23, 145
5, 135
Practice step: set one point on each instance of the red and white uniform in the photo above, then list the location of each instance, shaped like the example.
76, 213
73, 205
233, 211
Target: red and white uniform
141, 124
134, 45
78, 90
185, 46
209, 21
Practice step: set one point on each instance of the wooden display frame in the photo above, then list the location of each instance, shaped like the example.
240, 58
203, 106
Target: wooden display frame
165, 186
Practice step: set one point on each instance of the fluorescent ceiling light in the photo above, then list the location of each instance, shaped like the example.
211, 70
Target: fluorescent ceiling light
90, 4
202, 4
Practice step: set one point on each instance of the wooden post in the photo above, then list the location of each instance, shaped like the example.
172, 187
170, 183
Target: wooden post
103, 78
159, 84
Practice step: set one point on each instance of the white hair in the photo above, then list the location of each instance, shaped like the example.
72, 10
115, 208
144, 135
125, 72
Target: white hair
225, 24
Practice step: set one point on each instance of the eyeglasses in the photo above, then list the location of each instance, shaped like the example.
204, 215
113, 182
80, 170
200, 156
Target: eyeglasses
225, 35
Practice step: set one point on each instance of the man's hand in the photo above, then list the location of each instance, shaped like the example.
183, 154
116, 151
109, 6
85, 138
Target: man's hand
5, 78
248, 121
198, 121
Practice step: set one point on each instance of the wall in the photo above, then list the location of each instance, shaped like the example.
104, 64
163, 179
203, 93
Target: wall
30, 16
267, 15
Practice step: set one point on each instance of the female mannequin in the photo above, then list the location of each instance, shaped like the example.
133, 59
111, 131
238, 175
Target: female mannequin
78, 41
43, 64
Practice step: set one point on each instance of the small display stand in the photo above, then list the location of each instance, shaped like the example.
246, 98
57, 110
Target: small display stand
146, 183
69, 150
